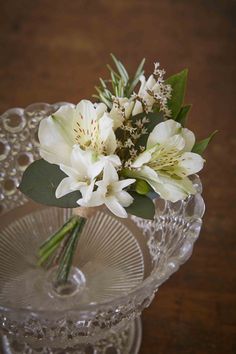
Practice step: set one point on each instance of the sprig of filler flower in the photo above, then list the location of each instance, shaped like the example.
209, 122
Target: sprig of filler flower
113, 153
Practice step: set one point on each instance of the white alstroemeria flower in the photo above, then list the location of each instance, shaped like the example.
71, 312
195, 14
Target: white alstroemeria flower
121, 110
167, 161
87, 125
82, 172
110, 192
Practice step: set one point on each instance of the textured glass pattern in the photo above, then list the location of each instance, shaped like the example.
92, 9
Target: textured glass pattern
18, 148
120, 263
108, 256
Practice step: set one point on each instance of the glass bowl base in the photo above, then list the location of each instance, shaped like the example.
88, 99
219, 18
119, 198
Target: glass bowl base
108, 262
122, 342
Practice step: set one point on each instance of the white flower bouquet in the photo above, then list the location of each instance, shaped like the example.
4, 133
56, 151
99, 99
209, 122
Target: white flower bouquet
123, 151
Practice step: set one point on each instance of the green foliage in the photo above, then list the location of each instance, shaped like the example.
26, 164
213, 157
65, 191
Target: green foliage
136, 78
183, 114
178, 84
40, 181
142, 206
201, 146
120, 84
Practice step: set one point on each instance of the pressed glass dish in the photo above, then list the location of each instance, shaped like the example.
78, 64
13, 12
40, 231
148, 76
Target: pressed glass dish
118, 266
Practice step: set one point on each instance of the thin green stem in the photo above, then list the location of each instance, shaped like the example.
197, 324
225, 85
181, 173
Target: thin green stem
67, 258
44, 257
56, 256
56, 238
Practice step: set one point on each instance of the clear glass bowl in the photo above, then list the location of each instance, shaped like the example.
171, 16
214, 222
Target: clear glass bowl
118, 267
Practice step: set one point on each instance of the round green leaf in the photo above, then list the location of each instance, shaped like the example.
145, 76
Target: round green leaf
40, 181
142, 206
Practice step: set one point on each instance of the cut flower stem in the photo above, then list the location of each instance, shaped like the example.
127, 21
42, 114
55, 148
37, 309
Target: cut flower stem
69, 251
59, 248
58, 236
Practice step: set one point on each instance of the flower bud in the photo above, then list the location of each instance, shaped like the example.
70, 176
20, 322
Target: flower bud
142, 187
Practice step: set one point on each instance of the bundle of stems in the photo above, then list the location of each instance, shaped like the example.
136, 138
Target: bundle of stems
59, 249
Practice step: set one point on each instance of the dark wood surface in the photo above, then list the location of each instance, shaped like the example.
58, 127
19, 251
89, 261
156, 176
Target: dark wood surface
55, 51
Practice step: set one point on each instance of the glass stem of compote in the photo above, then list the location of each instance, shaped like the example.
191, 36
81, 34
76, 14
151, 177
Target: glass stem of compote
59, 248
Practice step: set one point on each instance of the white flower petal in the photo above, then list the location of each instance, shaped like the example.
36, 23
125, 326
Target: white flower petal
129, 105
96, 199
109, 174
102, 187
85, 163
116, 117
111, 144
189, 139
190, 163
176, 189
80, 160
63, 188
85, 109
87, 190
95, 169
105, 126
162, 132
115, 112
151, 177
171, 192
124, 198
174, 142
113, 159
119, 185
54, 144
107, 134
147, 173
67, 185
143, 158
142, 80
100, 109
138, 108
69, 171
115, 207
150, 83
65, 117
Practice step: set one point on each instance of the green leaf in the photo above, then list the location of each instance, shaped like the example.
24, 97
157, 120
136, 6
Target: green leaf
182, 115
121, 69
178, 84
40, 181
201, 146
142, 206
139, 71
136, 78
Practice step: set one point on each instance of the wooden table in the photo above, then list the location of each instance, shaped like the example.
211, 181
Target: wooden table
55, 51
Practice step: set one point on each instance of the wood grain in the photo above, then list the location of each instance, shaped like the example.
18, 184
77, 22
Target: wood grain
55, 51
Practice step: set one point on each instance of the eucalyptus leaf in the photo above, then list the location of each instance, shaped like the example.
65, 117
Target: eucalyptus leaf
201, 146
40, 181
178, 84
182, 115
142, 206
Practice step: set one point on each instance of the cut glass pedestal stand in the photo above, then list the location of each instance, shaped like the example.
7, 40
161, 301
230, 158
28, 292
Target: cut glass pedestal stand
118, 267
